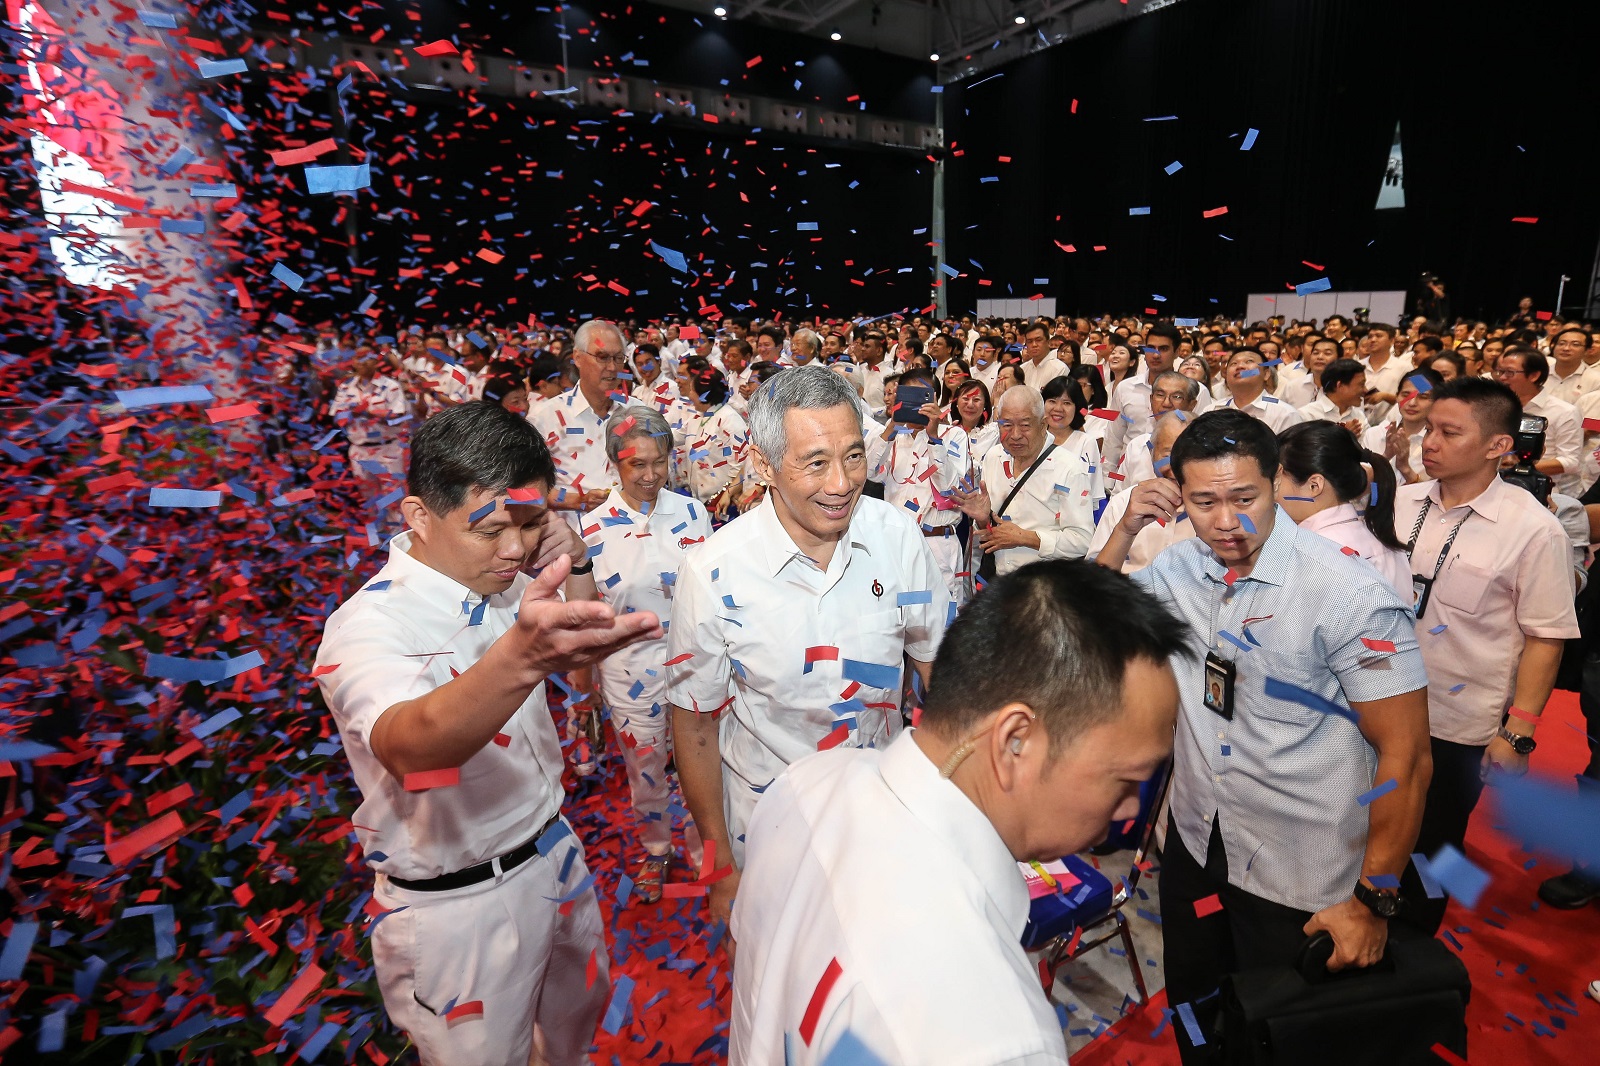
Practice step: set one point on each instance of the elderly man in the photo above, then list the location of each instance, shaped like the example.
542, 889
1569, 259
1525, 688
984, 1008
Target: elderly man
1032, 501
793, 620
435, 675
804, 347
1172, 391
1034, 738
1246, 381
573, 423
1154, 538
1311, 693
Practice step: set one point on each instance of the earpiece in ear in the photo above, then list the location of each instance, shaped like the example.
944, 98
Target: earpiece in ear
1016, 746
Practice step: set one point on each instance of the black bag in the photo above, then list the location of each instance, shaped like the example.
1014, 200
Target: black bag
1390, 1014
986, 565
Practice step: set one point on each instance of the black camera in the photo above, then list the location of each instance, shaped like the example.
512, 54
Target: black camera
1528, 446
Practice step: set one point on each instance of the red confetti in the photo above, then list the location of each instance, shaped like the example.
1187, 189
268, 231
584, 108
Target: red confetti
423, 780
1205, 907
1378, 645
819, 997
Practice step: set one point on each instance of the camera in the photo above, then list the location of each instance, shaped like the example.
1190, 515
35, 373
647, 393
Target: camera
1528, 446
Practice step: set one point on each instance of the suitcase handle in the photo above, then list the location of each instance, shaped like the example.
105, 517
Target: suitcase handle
1311, 963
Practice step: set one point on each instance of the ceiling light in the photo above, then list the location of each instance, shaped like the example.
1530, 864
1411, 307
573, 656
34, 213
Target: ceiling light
720, 11
1021, 20
934, 57
836, 35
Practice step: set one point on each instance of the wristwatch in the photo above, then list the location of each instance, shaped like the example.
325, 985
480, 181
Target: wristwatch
1520, 744
1384, 902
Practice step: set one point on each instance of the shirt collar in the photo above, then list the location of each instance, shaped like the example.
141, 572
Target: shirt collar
1272, 564
946, 810
779, 549
1487, 503
435, 587
1332, 516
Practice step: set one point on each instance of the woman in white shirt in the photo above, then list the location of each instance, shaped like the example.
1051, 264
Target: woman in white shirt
969, 412
636, 539
1063, 417
712, 436
1323, 475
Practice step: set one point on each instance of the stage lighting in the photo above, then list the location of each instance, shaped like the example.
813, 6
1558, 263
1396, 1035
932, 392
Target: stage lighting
1021, 19
836, 35
720, 11
934, 56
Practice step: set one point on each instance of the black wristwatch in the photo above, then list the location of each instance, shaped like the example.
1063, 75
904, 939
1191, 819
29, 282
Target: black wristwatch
586, 567
1384, 902
1520, 744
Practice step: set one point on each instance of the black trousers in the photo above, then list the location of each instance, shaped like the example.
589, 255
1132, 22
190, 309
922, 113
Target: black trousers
1589, 703
1199, 952
1452, 795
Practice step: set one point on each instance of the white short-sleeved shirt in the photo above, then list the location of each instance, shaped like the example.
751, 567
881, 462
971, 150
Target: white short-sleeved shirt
1044, 371
371, 410
408, 631
750, 607
1325, 410
918, 474
575, 435
1508, 577
1563, 439
1137, 465
1346, 528
1152, 540
1269, 409
710, 453
1057, 503
1376, 439
636, 558
934, 976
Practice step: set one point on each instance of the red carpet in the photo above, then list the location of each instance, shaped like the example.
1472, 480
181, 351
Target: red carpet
1530, 964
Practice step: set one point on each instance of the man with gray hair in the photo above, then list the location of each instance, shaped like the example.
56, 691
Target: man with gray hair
804, 347
573, 423
1171, 391
1033, 500
1153, 539
791, 623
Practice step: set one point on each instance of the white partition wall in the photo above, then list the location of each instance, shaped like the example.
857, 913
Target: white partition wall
1382, 306
1017, 308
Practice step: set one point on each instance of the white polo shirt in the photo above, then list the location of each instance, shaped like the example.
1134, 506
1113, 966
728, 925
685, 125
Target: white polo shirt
1137, 465
1057, 503
933, 976
750, 608
1269, 409
405, 633
636, 558
575, 435
1040, 373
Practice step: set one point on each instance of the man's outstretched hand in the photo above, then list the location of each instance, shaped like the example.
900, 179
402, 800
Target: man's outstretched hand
555, 635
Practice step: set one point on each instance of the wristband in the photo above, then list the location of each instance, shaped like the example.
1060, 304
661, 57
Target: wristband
586, 568
1518, 712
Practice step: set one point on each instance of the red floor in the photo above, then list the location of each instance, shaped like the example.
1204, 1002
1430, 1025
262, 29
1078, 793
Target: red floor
1530, 964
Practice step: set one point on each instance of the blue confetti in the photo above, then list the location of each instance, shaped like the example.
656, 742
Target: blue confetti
1458, 876
1249, 140
1377, 792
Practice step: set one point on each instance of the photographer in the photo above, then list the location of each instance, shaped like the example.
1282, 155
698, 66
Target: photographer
1525, 371
1494, 603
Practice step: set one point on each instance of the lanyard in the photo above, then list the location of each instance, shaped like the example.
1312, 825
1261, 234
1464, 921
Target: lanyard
1416, 531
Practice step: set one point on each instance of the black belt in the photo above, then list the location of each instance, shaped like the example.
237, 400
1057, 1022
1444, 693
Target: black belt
483, 871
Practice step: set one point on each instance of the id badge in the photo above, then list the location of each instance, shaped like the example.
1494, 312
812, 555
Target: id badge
1219, 686
1421, 589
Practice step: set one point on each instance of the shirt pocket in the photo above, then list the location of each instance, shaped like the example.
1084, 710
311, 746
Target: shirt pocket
877, 640
1255, 668
1463, 585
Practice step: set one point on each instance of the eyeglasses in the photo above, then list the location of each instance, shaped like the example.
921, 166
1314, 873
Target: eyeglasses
1507, 372
603, 358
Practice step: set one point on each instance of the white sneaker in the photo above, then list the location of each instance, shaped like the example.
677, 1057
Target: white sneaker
1594, 991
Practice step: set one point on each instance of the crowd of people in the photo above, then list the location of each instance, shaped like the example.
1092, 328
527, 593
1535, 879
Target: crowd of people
729, 539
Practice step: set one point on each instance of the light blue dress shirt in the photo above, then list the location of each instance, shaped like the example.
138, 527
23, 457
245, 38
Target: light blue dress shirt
1283, 776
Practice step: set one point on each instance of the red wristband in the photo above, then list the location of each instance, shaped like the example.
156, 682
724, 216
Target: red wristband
1518, 712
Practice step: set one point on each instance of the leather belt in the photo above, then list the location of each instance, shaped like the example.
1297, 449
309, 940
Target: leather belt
483, 871
939, 531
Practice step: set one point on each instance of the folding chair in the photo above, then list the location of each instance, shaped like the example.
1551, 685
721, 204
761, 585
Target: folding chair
1069, 921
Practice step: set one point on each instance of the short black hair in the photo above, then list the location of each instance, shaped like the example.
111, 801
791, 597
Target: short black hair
1533, 361
1037, 636
1031, 326
478, 445
1494, 405
1225, 431
1061, 386
1434, 379
766, 370
1340, 372
1164, 329
1433, 344
917, 373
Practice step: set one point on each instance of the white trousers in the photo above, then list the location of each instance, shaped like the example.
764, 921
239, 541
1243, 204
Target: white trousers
506, 945
646, 743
